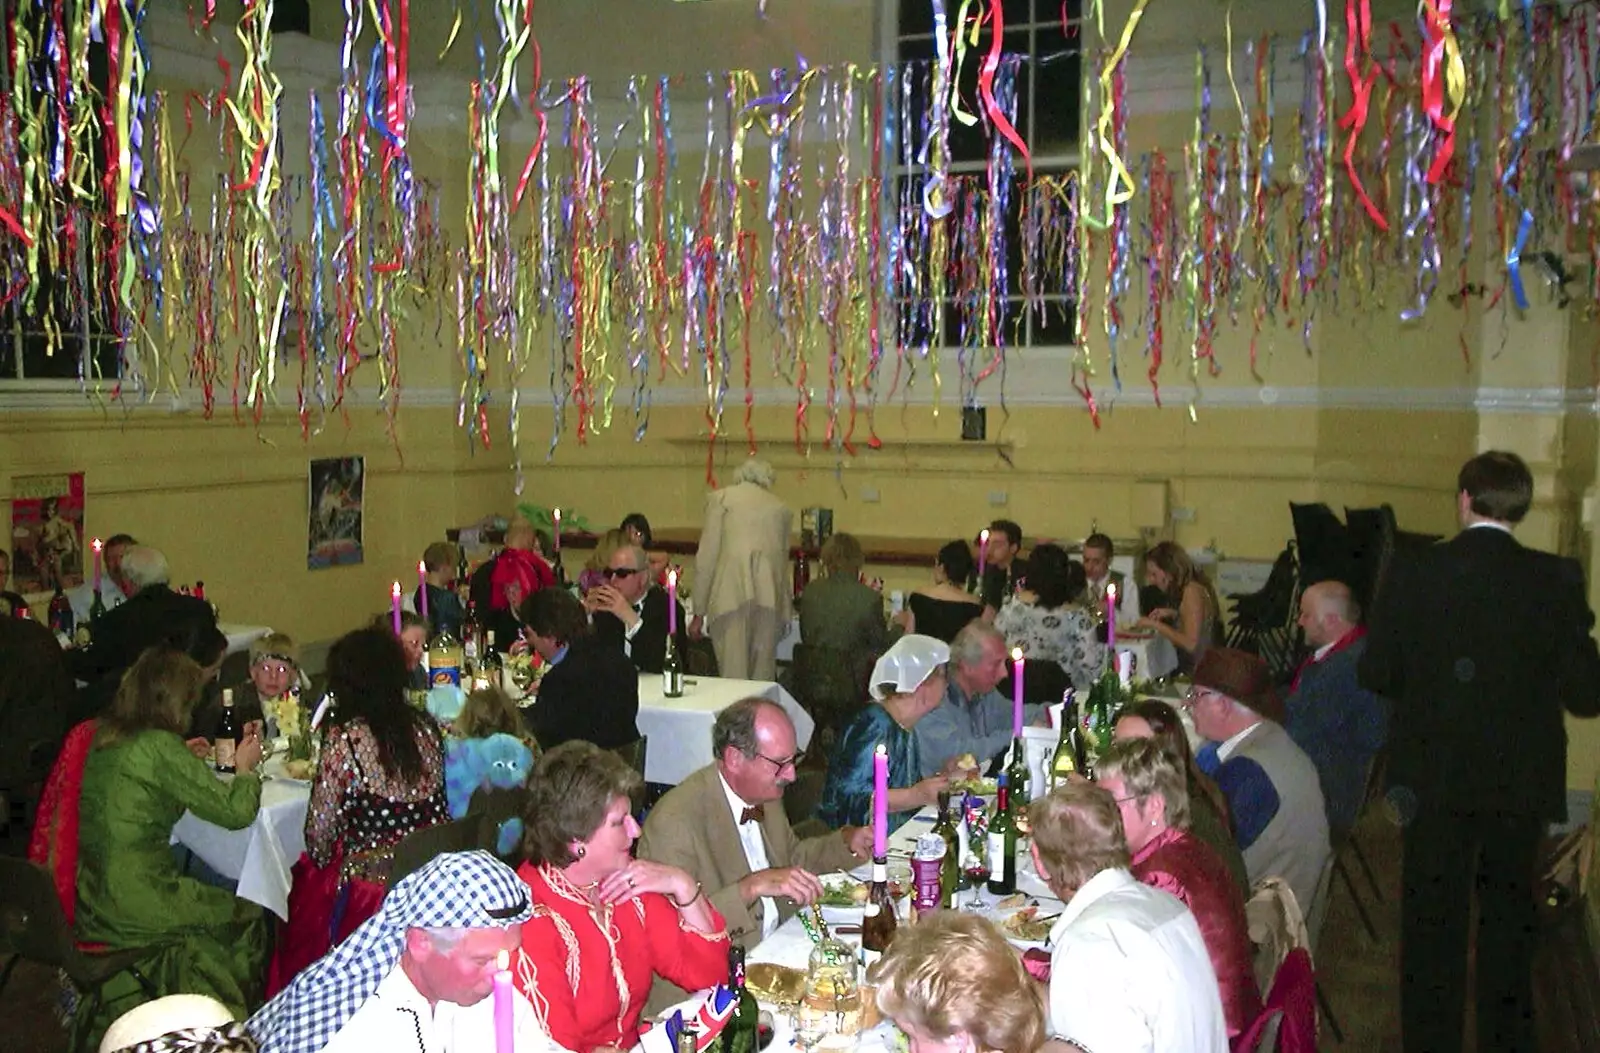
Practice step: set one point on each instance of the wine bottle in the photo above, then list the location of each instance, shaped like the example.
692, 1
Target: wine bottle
672, 670
688, 1040
97, 607
1017, 773
1068, 757
741, 1033
950, 867
60, 614
1003, 844
226, 740
878, 922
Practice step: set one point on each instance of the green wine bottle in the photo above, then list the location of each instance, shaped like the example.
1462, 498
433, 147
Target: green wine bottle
1002, 844
740, 1035
1068, 757
1017, 778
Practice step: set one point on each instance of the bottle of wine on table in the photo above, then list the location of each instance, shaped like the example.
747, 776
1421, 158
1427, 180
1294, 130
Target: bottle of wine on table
1002, 844
740, 1035
228, 734
878, 922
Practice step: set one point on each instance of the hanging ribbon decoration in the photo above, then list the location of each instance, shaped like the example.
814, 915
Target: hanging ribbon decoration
1357, 49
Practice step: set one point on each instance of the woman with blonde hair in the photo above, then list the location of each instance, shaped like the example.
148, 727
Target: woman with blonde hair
137, 781
1152, 793
1193, 623
951, 982
1151, 718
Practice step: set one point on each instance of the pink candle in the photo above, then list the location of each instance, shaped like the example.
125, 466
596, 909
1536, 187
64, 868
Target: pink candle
505, 1029
555, 516
983, 555
880, 801
422, 588
1016, 693
394, 603
1111, 615
672, 602
97, 545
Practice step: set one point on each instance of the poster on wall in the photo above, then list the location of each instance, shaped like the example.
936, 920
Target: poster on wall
336, 488
46, 532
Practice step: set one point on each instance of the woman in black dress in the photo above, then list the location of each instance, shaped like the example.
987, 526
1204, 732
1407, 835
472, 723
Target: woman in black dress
944, 608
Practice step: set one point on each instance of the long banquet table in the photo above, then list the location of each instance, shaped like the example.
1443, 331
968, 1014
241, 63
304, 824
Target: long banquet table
680, 728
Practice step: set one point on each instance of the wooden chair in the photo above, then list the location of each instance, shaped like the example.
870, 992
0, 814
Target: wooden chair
421, 847
636, 753
34, 927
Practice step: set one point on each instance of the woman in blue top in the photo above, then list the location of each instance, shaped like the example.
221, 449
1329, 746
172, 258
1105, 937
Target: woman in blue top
907, 683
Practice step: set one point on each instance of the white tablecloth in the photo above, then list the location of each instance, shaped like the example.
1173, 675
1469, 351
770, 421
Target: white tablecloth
242, 636
789, 945
680, 728
260, 855
1153, 655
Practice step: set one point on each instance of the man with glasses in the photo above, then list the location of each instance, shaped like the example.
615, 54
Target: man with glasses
725, 825
629, 611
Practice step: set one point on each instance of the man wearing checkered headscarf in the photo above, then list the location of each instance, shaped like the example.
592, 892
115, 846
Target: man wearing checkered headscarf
417, 975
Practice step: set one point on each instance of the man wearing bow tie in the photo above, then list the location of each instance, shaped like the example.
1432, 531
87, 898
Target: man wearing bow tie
726, 826
629, 612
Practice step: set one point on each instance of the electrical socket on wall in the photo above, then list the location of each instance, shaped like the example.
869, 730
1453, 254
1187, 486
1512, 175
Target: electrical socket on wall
998, 498
870, 494
1183, 515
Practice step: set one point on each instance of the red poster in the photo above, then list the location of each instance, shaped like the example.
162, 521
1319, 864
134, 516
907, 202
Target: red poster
46, 532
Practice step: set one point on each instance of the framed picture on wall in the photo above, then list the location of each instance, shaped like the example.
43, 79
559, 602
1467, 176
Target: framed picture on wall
46, 532
334, 496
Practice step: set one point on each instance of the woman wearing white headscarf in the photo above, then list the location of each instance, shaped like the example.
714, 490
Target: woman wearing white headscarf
907, 684
741, 573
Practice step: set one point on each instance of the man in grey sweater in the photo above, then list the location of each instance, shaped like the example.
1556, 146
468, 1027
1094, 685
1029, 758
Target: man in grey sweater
1270, 783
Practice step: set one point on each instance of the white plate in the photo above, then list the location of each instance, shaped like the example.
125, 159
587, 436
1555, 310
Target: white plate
835, 915
1047, 910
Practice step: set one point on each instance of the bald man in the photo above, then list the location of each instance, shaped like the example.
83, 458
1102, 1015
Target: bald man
1339, 724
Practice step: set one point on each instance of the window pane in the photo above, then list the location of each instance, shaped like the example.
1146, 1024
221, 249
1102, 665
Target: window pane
916, 16
1050, 10
1058, 327
1057, 93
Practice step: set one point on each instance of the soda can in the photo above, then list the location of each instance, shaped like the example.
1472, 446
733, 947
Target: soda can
926, 860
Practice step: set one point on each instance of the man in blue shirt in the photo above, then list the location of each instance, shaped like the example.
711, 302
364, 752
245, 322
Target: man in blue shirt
974, 718
1340, 724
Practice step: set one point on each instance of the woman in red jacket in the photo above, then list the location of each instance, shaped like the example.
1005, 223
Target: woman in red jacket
1153, 796
604, 924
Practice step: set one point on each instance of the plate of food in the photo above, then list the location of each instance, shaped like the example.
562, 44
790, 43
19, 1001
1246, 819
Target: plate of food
1027, 926
843, 899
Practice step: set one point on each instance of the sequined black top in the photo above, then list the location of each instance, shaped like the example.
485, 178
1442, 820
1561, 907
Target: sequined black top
357, 803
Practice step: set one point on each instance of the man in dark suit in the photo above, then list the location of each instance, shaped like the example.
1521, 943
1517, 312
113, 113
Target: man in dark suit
630, 613
153, 614
1481, 644
35, 697
591, 690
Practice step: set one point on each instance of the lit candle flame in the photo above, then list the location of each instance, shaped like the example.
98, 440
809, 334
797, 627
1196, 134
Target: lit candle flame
1016, 654
395, 590
97, 544
672, 578
503, 960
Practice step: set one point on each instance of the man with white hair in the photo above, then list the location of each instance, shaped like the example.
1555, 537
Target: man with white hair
418, 975
1340, 724
153, 614
741, 573
629, 611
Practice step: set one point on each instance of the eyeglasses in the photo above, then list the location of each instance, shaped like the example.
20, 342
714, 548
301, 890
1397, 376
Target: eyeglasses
1130, 797
612, 573
793, 760
1195, 695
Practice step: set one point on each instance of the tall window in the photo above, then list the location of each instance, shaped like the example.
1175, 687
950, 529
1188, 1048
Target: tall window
58, 332
1040, 87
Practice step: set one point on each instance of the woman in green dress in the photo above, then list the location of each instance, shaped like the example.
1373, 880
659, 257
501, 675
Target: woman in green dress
138, 780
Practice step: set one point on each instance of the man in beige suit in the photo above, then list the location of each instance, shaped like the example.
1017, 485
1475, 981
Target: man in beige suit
741, 573
726, 826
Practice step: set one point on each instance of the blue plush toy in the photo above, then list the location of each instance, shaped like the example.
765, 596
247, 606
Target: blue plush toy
498, 762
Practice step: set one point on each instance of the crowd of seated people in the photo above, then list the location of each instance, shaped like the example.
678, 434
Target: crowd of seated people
607, 916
